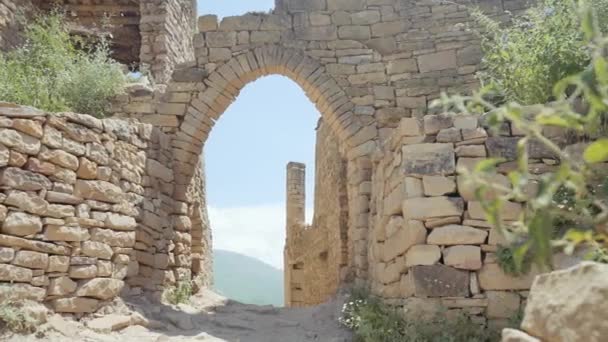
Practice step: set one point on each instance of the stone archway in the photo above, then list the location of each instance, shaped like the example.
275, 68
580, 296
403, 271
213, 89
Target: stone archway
222, 86
213, 92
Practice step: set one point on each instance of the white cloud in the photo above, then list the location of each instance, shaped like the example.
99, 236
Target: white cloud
256, 231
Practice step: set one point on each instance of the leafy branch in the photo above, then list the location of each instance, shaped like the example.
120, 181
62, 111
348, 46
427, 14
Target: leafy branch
565, 208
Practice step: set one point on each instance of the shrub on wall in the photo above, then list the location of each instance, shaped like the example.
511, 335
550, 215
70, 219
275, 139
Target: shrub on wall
567, 206
49, 71
525, 59
373, 321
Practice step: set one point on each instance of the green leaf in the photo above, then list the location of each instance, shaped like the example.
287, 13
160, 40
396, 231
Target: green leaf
597, 152
601, 70
519, 256
540, 230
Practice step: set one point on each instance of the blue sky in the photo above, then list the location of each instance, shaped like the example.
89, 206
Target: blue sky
271, 123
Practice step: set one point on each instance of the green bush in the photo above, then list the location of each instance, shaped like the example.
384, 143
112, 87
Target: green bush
568, 208
180, 293
49, 71
373, 321
525, 59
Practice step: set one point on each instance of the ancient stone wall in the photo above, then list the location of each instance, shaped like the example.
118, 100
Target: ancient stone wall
430, 244
365, 64
166, 27
371, 67
87, 209
121, 19
316, 255
152, 35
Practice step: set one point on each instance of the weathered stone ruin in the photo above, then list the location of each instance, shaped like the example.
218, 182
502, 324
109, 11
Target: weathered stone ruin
93, 207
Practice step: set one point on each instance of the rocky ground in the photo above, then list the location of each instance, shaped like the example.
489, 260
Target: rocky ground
207, 317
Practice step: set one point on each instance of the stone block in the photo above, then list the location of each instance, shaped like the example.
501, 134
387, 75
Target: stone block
100, 288
4, 155
492, 277
158, 170
33, 260
6, 254
475, 151
440, 281
66, 233
467, 189
402, 240
106, 268
21, 224
401, 66
113, 238
346, 5
502, 304
60, 158
512, 335
109, 323
394, 201
429, 159
413, 187
502, 147
463, 257
83, 271
437, 61
75, 305
457, 235
98, 191
120, 222
19, 141
220, 39
449, 135
426, 255
438, 185
509, 212
435, 123
58, 263
410, 127
97, 249
432, 207
27, 202
354, 32
395, 224
569, 305
61, 286
11, 273
18, 179
87, 169
21, 292
207, 23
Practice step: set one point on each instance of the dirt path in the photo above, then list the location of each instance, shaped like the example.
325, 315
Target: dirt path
207, 317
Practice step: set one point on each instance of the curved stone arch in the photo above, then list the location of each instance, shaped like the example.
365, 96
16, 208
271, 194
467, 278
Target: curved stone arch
223, 85
216, 90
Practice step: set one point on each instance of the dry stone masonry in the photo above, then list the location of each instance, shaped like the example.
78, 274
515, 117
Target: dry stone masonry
86, 210
364, 64
92, 207
316, 255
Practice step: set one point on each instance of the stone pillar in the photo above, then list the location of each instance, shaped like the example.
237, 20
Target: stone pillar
296, 195
295, 218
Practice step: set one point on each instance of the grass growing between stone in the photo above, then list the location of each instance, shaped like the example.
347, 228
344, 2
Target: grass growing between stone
14, 319
373, 321
179, 294
55, 71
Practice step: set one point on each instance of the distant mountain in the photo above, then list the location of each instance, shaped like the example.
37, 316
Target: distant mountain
246, 279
